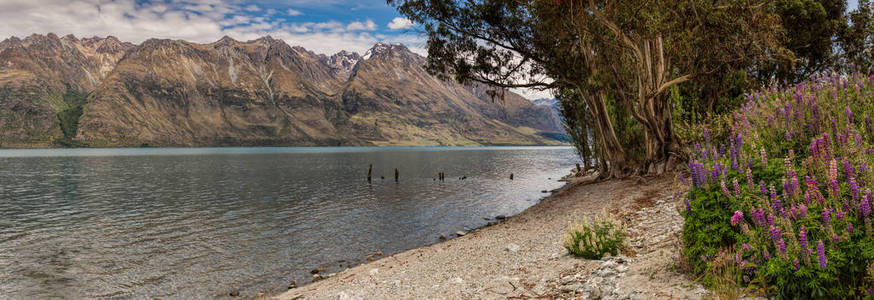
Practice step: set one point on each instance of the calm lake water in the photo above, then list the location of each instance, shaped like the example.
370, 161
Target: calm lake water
202, 222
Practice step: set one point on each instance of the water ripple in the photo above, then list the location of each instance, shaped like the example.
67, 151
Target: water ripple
198, 223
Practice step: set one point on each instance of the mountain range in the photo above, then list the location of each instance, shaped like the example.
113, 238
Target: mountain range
102, 92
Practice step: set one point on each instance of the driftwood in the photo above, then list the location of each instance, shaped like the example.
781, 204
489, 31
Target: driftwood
369, 172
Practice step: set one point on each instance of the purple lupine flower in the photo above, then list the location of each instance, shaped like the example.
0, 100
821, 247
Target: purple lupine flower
797, 265
733, 157
826, 216
849, 114
836, 189
763, 188
811, 182
850, 227
723, 186
833, 169
802, 211
820, 253
849, 171
766, 254
737, 218
764, 158
787, 164
692, 173
736, 187
802, 241
865, 205
787, 189
835, 238
750, 182
854, 188
776, 203
775, 233
794, 185
746, 246
781, 245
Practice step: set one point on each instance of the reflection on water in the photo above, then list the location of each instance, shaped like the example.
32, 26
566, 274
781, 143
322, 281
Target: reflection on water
198, 223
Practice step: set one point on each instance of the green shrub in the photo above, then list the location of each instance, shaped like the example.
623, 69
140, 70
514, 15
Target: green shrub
591, 239
808, 235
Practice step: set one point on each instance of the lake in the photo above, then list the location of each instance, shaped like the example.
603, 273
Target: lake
202, 222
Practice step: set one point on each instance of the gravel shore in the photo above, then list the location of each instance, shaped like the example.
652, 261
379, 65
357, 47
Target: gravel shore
523, 257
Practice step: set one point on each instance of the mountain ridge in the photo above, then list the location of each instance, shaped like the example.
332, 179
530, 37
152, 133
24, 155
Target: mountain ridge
101, 92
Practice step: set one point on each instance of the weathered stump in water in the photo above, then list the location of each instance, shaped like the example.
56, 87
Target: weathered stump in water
369, 172
396, 174
511, 176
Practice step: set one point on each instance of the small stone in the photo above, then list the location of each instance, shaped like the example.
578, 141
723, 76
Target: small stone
374, 271
292, 285
622, 268
234, 294
378, 253
456, 280
608, 264
259, 294
567, 279
500, 217
606, 272
442, 237
460, 233
571, 287
595, 293
316, 271
317, 277
512, 248
544, 191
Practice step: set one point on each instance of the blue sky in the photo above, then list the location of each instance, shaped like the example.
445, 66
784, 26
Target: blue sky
323, 26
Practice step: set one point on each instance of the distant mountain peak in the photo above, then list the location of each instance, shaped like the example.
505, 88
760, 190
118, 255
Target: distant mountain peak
226, 40
387, 51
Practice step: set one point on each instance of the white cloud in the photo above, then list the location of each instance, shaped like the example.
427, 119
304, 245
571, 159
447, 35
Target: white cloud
253, 7
200, 21
368, 25
532, 94
293, 12
400, 23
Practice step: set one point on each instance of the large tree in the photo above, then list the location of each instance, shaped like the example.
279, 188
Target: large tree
618, 58
857, 38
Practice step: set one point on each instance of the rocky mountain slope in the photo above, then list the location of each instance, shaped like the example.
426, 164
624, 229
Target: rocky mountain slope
61, 91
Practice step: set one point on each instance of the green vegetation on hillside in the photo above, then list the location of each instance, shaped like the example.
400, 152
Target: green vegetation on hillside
69, 109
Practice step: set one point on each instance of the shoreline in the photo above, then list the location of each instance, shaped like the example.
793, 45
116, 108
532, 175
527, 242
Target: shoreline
522, 256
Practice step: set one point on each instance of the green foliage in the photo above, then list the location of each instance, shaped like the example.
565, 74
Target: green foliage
857, 38
593, 239
818, 144
707, 228
70, 110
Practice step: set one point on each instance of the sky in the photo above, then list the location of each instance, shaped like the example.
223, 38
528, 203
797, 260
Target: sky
323, 26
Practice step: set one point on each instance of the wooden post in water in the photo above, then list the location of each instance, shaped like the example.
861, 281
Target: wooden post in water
511, 176
396, 174
369, 172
